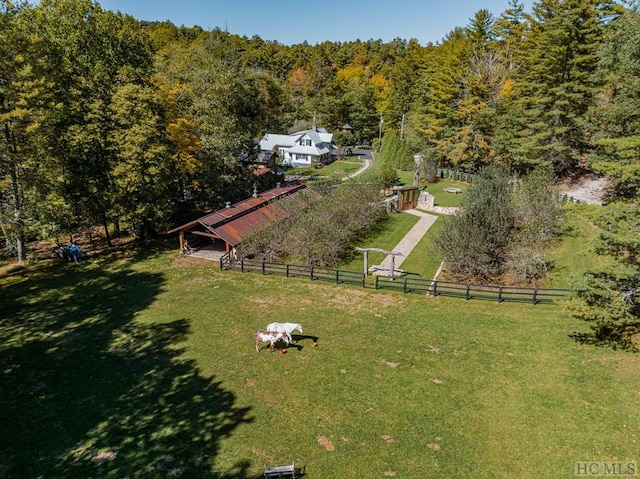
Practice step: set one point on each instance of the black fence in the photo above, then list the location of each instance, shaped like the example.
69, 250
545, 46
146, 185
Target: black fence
406, 284
313, 273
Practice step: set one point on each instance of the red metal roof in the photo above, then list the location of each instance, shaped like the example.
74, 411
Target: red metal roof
239, 220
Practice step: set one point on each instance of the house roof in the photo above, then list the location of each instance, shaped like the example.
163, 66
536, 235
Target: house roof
270, 141
319, 136
319, 149
236, 222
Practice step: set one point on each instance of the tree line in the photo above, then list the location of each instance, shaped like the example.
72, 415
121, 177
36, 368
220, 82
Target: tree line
109, 120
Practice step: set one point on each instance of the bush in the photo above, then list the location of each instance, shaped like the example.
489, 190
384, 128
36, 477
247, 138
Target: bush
325, 233
475, 242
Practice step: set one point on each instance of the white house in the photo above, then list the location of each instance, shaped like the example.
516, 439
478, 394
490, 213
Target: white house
304, 148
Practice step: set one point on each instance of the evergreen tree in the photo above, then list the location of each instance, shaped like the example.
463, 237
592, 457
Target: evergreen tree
609, 299
558, 84
614, 120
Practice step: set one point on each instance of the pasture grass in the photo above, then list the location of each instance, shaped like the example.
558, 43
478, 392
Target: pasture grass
142, 365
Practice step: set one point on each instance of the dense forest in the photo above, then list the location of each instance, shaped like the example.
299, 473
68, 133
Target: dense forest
109, 120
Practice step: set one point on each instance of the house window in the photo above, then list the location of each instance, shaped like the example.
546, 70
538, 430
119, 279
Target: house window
308, 142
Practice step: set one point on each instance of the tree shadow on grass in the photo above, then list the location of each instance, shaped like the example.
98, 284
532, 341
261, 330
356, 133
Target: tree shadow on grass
88, 391
628, 339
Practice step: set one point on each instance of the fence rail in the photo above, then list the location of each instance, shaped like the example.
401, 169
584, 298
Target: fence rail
406, 284
470, 290
313, 273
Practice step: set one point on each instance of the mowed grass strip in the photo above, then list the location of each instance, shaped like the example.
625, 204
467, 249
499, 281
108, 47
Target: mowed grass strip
145, 366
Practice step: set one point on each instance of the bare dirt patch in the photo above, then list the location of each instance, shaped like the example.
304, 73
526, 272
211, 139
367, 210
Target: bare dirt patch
389, 363
326, 443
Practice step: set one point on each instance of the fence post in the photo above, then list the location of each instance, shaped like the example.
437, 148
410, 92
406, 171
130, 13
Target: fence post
364, 278
500, 295
468, 289
287, 271
242, 265
311, 273
375, 282
263, 268
435, 288
337, 276
535, 294
404, 285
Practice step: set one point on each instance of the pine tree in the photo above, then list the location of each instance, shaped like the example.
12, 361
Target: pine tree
609, 299
614, 121
558, 85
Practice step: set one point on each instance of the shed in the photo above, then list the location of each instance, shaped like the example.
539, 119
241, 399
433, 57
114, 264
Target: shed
235, 222
407, 197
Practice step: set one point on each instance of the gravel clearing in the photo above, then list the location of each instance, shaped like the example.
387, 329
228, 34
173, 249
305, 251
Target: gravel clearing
588, 188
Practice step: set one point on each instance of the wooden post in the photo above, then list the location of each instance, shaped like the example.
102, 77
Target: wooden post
393, 266
366, 262
181, 237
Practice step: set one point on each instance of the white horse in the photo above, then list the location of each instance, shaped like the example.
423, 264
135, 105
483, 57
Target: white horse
287, 328
271, 337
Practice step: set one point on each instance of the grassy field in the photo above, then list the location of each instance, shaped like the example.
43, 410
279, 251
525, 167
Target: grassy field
142, 365
337, 169
574, 253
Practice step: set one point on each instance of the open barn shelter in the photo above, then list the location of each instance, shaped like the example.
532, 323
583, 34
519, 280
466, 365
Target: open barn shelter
223, 230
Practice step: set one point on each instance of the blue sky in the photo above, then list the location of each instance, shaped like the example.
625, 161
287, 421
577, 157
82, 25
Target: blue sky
293, 21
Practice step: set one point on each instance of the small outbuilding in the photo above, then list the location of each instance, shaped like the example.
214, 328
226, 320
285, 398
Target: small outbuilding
230, 225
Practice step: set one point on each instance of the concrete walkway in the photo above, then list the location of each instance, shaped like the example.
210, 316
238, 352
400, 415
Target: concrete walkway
406, 245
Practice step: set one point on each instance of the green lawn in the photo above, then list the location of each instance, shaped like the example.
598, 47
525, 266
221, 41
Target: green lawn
337, 169
425, 259
142, 365
442, 198
574, 253
387, 237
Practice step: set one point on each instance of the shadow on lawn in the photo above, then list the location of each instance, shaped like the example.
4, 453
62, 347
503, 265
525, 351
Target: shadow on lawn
87, 391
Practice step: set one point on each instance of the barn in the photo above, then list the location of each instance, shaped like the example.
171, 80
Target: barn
223, 230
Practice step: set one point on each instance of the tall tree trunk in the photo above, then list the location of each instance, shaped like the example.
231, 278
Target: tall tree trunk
17, 214
105, 223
